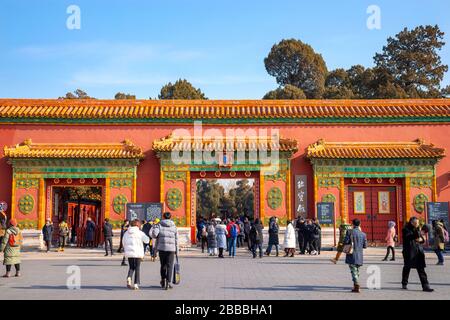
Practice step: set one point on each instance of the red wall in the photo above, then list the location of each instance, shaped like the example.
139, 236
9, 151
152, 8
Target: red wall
148, 170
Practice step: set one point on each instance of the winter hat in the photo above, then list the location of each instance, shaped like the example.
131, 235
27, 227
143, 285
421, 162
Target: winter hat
13, 222
391, 224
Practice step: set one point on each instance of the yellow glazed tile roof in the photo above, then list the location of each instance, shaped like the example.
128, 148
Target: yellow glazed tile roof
220, 109
373, 150
170, 143
28, 149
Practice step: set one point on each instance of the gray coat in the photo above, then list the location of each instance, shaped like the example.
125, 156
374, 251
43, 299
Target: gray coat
211, 236
359, 242
166, 234
221, 235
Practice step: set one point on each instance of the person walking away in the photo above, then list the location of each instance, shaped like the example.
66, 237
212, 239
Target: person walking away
300, 227
413, 254
391, 238
340, 246
355, 257
233, 231
240, 237
108, 235
123, 229
63, 234
309, 237
247, 227
211, 238
90, 233
273, 236
317, 235
166, 234
256, 237
221, 236
438, 241
153, 241
47, 233
146, 229
204, 236
289, 240
133, 244
10, 246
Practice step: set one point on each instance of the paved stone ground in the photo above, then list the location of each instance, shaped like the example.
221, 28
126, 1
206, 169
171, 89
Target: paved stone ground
203, 277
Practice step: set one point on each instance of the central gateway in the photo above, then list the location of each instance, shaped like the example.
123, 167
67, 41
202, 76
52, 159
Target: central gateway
178, 181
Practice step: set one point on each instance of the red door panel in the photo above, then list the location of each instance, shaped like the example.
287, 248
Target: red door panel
365, 216
384, 204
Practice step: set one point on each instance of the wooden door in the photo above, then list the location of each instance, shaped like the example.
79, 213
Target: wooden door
384, 204
360, 207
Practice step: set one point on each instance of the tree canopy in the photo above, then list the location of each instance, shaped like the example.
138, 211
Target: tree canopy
288, 92
296, 63
181, 89
124, 96
77, 94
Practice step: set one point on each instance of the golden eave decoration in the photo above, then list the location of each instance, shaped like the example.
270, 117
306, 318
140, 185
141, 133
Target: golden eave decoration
29, 149
220, 109
373, 150
169, 143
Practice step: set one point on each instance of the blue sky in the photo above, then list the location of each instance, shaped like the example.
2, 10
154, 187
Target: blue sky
219, 45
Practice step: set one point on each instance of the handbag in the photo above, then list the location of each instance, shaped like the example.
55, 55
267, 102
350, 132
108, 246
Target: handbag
176, 271
348, 247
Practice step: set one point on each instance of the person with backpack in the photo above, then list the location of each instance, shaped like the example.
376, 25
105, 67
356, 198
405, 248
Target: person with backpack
221, 236
133, 243
256, 237
233, 232
108, 235
47, 233
273, 236
63, 234
211, 238
10, 246
356, 242
438, 241
391, 238
146, 229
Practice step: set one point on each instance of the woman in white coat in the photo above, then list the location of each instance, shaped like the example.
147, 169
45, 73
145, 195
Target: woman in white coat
289, 240
133, 244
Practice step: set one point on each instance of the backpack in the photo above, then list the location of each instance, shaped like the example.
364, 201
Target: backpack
204, 231
233, 231
211, 231
15, 240
446, 237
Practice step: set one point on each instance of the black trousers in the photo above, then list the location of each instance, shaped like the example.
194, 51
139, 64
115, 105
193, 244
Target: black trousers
204, 242
108, 242
48, 244
390, 248
301, 243
259, 246
422, 276
17, 266
167, 259
240, 241
62, 241
220, 252
135, 267
247, 239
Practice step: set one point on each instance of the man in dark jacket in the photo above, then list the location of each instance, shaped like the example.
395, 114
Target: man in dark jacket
47, 233
355, 258
256, 237
247, 227
301, 234
413, 254
108, 234
317, 235
90, 233
273, 236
